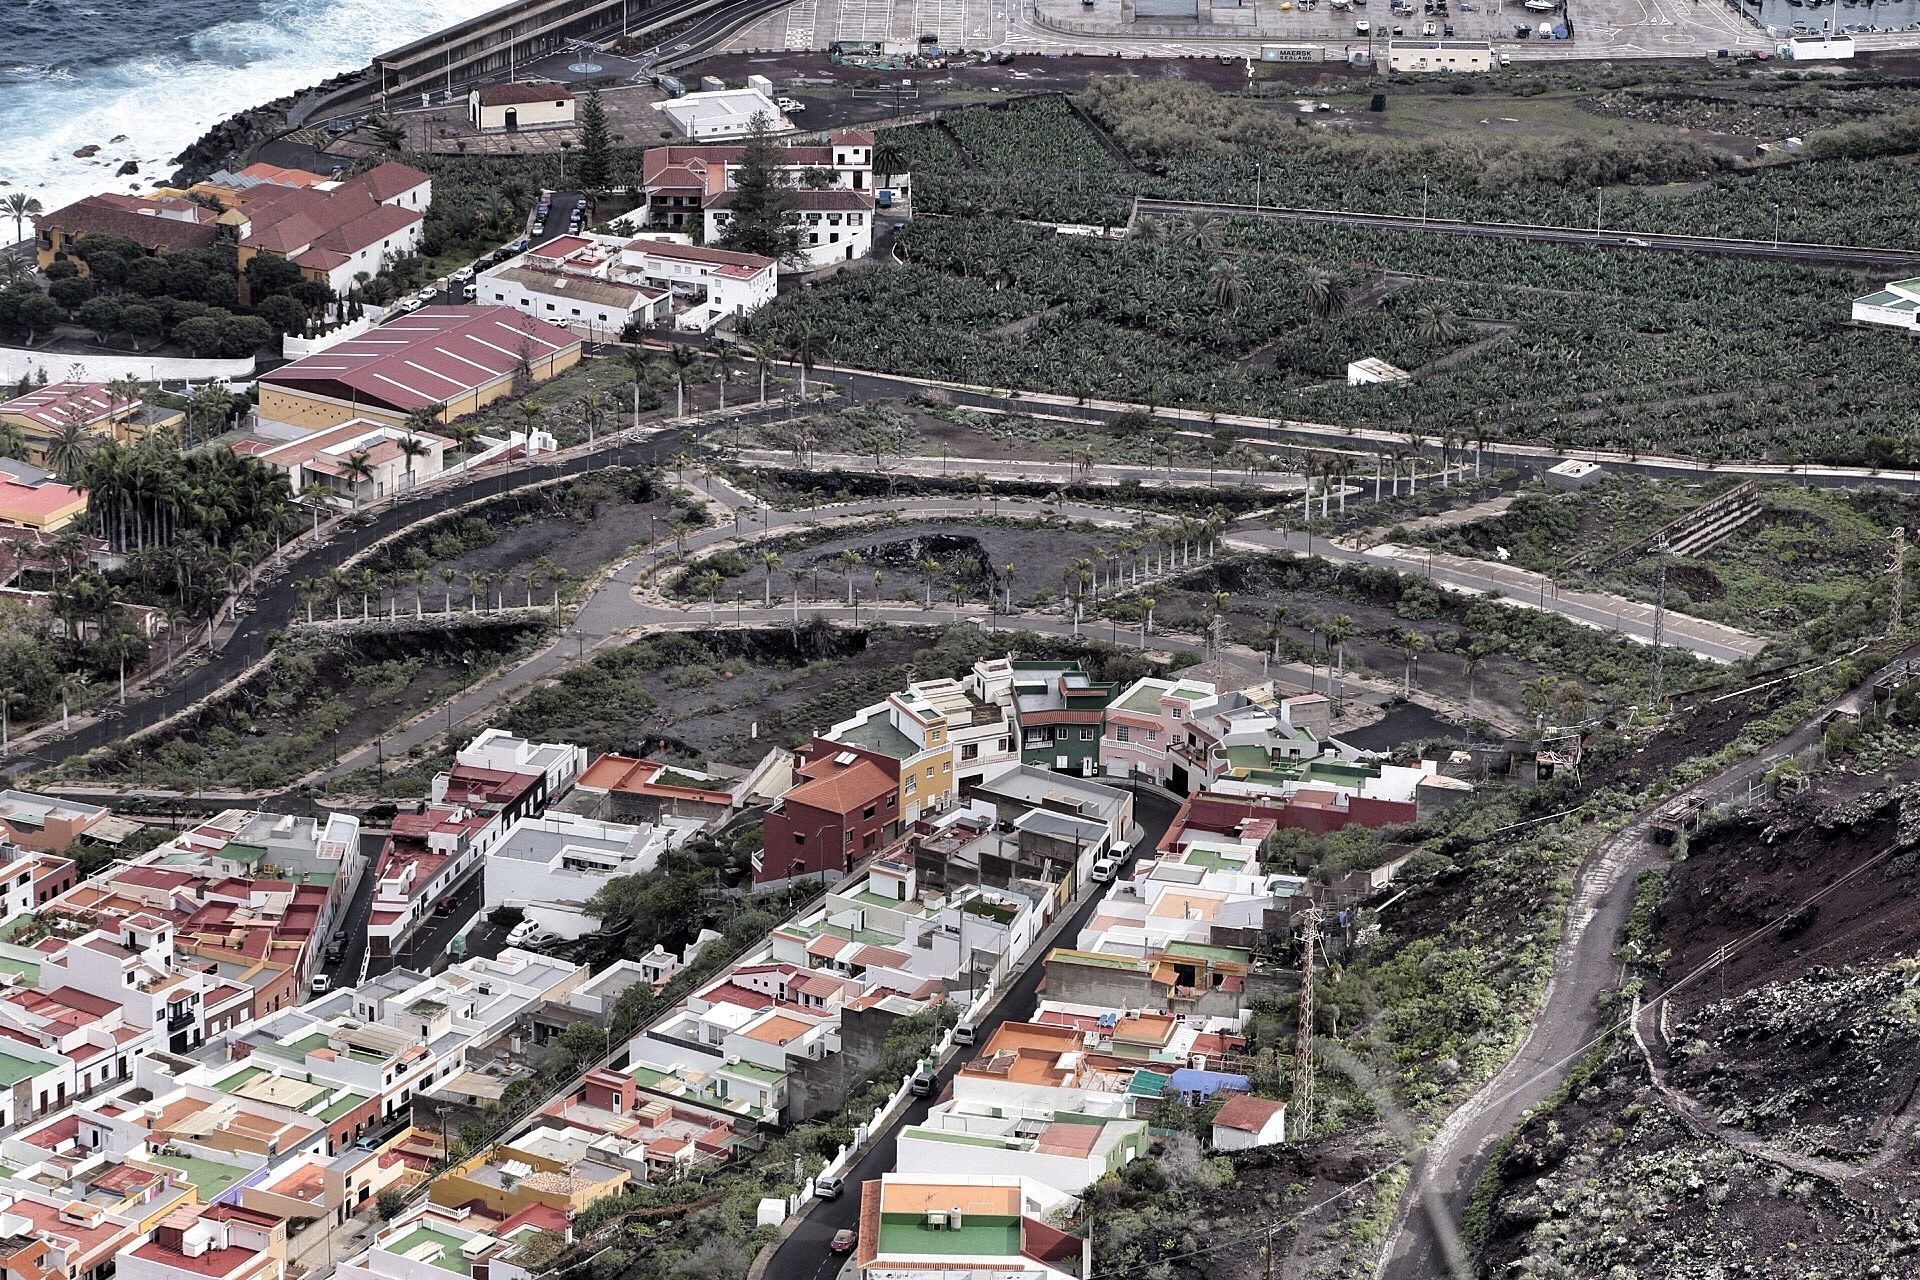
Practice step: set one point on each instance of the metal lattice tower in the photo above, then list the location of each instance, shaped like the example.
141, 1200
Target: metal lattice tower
1659, 623
1899, 578
1303, 1041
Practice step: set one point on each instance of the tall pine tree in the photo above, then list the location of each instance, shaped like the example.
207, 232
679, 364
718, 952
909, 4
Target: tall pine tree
596, 166
763, 221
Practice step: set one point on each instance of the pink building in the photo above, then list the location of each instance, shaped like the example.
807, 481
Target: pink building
1144, 721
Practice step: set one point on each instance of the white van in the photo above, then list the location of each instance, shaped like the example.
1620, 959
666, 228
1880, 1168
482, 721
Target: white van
1105, 868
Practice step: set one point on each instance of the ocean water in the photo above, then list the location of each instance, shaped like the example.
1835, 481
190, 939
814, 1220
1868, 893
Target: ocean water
156, 74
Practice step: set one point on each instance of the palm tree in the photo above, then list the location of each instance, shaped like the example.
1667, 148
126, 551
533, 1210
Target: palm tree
769, 561
928, 567
1412, 645
68, 685
849, 561
412, 447
20, 206
1537, 697
639, 363
359, 470
796, 576
804, 346
419, 579
1435, 325
1199, 231
592, 413
13, 441
723, 362
1008, 570
1229, 285
447, 577
1338, 631
683, 360
763, 357
1149, 602
531, 415
71, 446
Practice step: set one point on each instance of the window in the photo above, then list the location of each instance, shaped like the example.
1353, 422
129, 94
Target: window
1061, 733
1086, 735
1121, 733
969, 751
867, 812
799, 837
946, 766
1153, 735
913, 784
1176, 713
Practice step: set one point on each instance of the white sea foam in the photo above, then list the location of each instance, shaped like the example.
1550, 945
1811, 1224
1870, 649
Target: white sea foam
164, 100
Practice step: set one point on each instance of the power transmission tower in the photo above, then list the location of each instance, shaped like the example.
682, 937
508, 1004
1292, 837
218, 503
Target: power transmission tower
1303, 1041
1899, 578
1659, 623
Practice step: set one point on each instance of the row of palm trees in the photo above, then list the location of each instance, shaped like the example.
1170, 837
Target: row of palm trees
381, 594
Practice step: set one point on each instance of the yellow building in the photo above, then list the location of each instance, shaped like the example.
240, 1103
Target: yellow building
32, 499
44, 412
543, 1168
454, 360
158, 226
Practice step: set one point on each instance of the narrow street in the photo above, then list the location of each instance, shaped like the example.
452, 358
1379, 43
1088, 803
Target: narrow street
803, 1255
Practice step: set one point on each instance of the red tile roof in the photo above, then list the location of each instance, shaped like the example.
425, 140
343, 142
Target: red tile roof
846, 790
106, 215
1247, 1113
507, 95
427, 358
752, 262
804, 200
49, 406
385, 181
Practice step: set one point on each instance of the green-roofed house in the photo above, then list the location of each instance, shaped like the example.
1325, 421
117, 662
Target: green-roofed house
986, 1223
1059, 713
1897, 305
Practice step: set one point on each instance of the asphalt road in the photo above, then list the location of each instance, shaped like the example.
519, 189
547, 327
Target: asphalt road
1855, 256
804, 1254
1570, 1019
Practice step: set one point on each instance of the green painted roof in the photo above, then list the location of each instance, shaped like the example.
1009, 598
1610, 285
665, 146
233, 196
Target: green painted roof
238, 1080
13, 1070
341, 1105
238, 852
449, 1258
26, 970
966, 1139
210, 1177
980, 1236
1146, 1084
754, 1071
1207, 951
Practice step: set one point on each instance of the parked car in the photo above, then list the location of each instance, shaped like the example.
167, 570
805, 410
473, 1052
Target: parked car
921, 1085
320, 984
843, 1240
528, 933
790, 105
964, 1034
828, 1188
1104, 869
1636, 242
929, 38
1362, 27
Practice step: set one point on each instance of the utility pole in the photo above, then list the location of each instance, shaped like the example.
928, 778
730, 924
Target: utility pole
1899, 579
1303, 1041
1659, 623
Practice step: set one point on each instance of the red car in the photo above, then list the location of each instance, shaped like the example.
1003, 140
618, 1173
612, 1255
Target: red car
843, 1240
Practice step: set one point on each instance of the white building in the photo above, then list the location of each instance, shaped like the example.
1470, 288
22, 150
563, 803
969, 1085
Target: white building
1440, 55
1246, 1121
1067, 1150
1825, 48
1374, 371
394, 458
595, 307
726, 284
550, 866
723, 113
835, 225
1897, 305
511, 107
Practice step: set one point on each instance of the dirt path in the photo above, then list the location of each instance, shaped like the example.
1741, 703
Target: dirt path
1569, 1021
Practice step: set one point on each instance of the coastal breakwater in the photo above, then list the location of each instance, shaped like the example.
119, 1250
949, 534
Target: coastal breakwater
494, 46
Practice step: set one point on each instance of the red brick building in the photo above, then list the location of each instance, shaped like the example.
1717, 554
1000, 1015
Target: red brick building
843, 805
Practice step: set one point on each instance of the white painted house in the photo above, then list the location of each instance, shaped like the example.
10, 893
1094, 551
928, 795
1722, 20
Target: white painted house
1897, 305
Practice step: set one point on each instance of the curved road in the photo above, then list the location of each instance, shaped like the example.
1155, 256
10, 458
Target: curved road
1569, 1020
